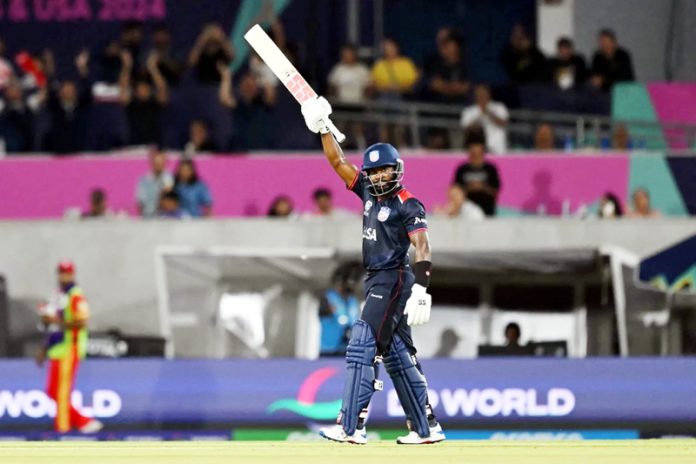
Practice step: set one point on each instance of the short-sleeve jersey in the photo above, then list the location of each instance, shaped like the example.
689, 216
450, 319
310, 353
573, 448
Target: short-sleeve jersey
387, 225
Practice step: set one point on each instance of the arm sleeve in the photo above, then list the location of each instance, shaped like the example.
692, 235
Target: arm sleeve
358, 184
206, 198
414, 216
494, 177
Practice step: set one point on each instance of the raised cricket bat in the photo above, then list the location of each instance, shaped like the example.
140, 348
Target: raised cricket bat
284, 70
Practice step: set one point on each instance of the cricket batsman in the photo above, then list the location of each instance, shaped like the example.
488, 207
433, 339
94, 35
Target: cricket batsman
66, 320
396, 296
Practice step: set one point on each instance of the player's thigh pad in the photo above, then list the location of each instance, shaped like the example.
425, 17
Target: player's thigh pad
409, 383
360, 376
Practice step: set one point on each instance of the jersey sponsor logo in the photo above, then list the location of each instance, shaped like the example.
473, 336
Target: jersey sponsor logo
370, 234
374, 155
368, 205
420, 221
383, 214
379, 297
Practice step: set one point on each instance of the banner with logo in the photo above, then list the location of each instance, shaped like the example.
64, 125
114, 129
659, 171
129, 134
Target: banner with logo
288, 392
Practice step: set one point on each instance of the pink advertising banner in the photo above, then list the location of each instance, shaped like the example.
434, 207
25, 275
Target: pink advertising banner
42, 187
674, 102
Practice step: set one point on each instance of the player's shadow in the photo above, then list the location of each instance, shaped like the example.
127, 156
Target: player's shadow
542, 200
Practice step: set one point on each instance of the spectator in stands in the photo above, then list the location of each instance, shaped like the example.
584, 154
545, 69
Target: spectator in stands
448, 344
68, 111
252, 111
641, 205
394, 77
152, 184
16, 119
97, 205
447, 78
6, 69
169, 206
568, 68
194, 195
620, 139
492, 116
544, 137
131, 40
610, 63
609, 207
349, 82
199, 138
169, 65
110, 64
458, 206
339, 308
512, 335
522, 60
477, 177
144, 106
282, 207
211, 48
323, 205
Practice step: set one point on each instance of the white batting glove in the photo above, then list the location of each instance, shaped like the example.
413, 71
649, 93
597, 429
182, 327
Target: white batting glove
418, 306
316, 115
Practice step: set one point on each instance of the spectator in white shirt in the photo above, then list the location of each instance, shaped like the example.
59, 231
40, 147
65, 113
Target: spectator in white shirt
458, 206
492, 116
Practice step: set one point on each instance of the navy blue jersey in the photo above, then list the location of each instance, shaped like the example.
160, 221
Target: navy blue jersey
387, 225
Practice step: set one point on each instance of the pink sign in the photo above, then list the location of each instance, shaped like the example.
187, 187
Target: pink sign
674, 102
42, 187
82, 10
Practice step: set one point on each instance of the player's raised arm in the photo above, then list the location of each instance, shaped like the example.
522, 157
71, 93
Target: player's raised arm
316, 114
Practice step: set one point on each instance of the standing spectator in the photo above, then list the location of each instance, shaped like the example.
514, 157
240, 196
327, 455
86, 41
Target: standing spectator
458, 206
522, 60
131, 41
339, 308
447, 78
143, 106
211, 48
6, 69
609, 207
492, 116
152, 184
97, 205
194, 195
169, 65
610, 63
568, 69
323, 205
544, 137
16, 119
281, 207
641, 205
479, 178
199, 138
251, 113
394, 76
349, 81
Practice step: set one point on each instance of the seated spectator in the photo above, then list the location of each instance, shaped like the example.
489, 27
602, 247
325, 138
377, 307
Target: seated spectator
16, 119
97, 205
152, 184
143, 106
339, 308
449, 339
620, 139
324, 207
610, 63
522, 60
170, 66
194, 196
477, 177
447, 78
544, 137
437, 139
609, 207
169, 206
212, 47
458, 206
199, 139
394, 77
282, 207
349, 81
641, 205
568, 69
492, 116
512, 335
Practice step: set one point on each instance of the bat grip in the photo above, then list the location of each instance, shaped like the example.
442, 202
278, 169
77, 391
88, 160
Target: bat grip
340, 137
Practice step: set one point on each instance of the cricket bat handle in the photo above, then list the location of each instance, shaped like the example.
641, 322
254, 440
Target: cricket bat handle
340, 137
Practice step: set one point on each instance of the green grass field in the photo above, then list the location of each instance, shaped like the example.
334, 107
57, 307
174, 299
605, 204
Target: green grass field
469, 452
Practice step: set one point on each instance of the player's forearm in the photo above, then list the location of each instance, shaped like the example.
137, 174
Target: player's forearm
337, 160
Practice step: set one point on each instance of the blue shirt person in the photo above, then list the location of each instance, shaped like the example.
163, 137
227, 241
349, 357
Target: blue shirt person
339, 308
194, 195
